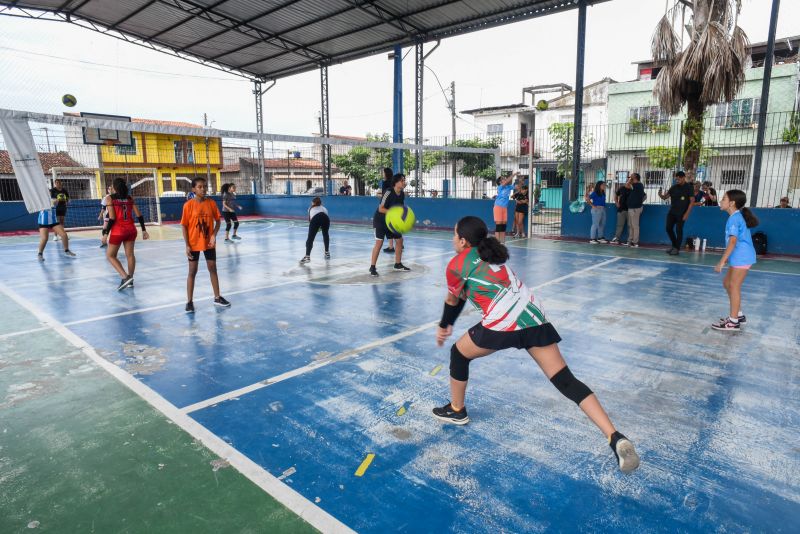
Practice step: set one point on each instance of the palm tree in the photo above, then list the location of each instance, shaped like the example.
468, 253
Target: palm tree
709, 70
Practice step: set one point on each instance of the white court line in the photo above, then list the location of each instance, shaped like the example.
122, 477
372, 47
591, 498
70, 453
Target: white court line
288, 497
298, 279
353, 352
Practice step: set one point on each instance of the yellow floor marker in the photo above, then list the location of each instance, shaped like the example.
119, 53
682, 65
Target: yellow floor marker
401, 411
436, 370
364, 465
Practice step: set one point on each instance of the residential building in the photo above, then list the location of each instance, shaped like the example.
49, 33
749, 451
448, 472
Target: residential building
79, 183
174, 159
639, 132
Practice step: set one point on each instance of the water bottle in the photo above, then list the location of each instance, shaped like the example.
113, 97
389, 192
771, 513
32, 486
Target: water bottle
697, 243
703, 245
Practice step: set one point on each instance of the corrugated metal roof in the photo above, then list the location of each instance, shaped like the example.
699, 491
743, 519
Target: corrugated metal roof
271, 39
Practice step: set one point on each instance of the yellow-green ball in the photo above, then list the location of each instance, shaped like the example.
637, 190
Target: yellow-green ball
69, 100
400, 219
61, 197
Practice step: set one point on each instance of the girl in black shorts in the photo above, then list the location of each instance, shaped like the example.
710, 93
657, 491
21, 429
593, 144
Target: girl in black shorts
229, 207
512, 317
521, 208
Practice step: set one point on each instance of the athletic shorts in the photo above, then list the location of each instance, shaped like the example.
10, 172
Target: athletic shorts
120, 237
230, 216
381, 232
61, 212
500, 214
535, 336
521, 208
210, 255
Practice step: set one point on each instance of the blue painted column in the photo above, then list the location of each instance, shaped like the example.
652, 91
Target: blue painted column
397, 127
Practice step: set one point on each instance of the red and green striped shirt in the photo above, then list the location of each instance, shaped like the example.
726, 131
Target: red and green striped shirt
504, 300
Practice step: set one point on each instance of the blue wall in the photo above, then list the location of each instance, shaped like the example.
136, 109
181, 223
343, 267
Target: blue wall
439, 213
782, 226
14, 216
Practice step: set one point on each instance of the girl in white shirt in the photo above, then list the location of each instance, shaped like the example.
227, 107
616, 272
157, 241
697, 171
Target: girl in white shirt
319, 220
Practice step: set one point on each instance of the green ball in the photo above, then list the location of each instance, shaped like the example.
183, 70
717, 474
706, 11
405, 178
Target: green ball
69, 100
61, 197
400, 219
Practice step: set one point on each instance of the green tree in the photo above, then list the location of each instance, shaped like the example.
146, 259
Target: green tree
474, 165
710, 69
561, 135
356, 165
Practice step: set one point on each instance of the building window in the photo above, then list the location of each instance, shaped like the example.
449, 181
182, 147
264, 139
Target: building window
494, 129
550, 178
126, 150
184, 151
733, 177
741, 113
654, 178
647, 119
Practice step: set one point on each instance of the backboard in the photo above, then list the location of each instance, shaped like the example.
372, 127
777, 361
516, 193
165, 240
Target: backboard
102, 136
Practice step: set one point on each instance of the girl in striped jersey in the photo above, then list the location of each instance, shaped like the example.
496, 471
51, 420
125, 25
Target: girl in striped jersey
511, 317
122, 230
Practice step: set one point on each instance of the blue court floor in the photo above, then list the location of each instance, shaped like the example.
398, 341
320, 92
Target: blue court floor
315, 367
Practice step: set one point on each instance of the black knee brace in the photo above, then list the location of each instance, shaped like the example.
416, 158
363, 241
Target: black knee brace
459, 365
569, 386
500, 227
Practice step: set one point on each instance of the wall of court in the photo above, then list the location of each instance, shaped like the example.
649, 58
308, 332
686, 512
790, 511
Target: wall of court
439, 213
782, 226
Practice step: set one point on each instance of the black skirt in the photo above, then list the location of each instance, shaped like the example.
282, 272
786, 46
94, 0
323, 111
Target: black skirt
536, 336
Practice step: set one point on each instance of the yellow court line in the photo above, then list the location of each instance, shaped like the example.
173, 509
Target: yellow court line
364, 465
436, 370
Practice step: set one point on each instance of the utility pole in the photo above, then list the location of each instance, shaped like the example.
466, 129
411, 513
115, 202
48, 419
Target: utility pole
47, 136
208, 156
453, 119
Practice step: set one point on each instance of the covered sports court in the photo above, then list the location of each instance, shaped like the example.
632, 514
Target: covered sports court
306, 405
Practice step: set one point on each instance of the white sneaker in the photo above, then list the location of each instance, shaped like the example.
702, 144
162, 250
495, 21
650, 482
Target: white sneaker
305, 259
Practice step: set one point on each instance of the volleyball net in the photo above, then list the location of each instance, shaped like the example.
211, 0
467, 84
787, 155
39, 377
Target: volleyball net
85, 153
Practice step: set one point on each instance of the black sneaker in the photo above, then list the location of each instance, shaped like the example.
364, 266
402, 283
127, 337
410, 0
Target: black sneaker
674, 252
742, 319
400, 267
726, 324
305, 259
221, 302
125, 282
623, 449
40, 257
189, 307
103, 245
327, 255
448, 414
373, 271
389, 250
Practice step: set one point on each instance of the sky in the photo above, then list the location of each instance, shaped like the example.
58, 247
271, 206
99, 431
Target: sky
42, 60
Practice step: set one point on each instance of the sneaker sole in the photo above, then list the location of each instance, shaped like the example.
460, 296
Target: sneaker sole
723, 329
452, 421
628, 459
228, 305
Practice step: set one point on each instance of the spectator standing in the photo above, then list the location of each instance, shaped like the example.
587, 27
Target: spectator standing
346, 189
636, 198
784, 203
597, 200
622, 213
711, 194
681, 202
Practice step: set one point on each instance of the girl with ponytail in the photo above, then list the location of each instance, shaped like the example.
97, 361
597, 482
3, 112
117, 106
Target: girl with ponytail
511, 318
739, 254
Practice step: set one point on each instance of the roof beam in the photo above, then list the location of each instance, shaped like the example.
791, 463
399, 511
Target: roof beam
132, 14
356, 30
206, 13
238, 24
379, 14
184, 21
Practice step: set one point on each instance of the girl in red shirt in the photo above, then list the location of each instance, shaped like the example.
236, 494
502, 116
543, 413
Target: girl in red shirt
122, 230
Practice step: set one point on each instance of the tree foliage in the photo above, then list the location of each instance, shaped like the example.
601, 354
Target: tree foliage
475, 165
561, 134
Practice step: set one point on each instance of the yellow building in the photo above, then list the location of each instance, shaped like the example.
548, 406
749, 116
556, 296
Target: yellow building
176, 159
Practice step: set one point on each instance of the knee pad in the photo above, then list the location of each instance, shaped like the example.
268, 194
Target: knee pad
569, 386
500, 227
459, 365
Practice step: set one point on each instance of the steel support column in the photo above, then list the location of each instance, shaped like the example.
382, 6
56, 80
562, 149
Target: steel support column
397, 126
762, 113
578, 121
327, 184
418, 98
260, 130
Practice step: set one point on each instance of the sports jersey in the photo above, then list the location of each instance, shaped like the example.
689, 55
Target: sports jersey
503, 194
199, 217
743, 252
47, 217
316, 210
504, 300
390, 199
123, 215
